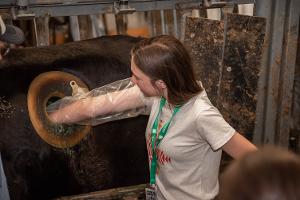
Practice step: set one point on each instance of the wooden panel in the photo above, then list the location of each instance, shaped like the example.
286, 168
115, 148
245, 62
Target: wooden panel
204, 40
136, 192
227, 56
240, 73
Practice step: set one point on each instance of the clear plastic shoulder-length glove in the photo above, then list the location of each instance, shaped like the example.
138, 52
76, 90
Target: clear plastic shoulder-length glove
114, 101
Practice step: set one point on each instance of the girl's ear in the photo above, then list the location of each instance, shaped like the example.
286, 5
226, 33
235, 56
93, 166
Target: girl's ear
160, 84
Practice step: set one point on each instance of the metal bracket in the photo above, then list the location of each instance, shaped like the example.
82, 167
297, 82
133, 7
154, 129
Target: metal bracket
21, 10
76, 90
122, 7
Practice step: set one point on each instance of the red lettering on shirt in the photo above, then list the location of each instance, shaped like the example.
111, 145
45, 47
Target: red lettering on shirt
162, 157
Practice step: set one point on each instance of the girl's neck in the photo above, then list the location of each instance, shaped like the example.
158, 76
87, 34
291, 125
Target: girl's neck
165, 94
168, 104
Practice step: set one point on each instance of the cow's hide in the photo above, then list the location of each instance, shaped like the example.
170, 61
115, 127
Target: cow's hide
111, 155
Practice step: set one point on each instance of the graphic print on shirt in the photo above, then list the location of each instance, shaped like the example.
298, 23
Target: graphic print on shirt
162, 157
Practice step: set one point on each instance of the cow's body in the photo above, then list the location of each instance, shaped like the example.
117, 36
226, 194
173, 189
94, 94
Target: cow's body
112, 155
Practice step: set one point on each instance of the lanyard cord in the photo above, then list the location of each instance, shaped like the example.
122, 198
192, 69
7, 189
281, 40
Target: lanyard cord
155, 141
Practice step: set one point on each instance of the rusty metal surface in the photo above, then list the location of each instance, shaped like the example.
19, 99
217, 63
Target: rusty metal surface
295, 132
276, 82
241, 66
227, 58
205, 40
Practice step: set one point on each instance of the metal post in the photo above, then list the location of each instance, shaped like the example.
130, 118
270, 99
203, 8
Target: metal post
74, 24
278, 65
41, 29
154, 24
175, 23
163, 22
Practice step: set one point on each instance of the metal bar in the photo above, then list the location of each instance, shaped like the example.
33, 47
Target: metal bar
213, 4
5, 2
98, 26
264, 9
73, 2
276, 80
85, 9
288, 72
163, 22
152, 18
42, 31
272, 62
40, 8
74, 25
175, 24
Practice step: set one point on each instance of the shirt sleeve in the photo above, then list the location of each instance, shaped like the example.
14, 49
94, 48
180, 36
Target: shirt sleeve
213, 128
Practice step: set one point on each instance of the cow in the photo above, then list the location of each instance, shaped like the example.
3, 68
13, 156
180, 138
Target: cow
110, 155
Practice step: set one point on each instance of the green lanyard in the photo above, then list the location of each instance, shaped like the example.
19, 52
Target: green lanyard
155, 141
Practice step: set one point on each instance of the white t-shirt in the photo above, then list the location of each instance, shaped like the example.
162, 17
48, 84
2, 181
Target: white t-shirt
189, 155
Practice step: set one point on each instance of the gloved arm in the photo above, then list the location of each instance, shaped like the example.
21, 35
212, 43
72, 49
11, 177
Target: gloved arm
118, 100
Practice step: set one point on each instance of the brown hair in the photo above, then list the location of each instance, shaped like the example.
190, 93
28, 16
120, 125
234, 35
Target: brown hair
268, 174
165, 58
